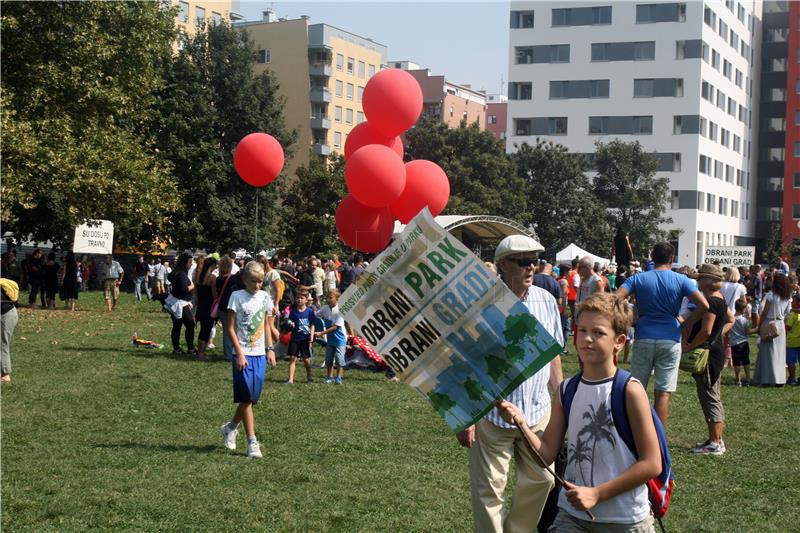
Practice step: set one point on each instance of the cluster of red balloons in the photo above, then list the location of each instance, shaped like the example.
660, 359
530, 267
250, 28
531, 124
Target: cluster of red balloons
258, 159
381, 186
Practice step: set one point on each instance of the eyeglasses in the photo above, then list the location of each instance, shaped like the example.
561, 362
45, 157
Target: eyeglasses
523, 262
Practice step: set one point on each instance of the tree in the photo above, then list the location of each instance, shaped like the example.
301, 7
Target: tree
309, 207
774, 247
210, 101
634, 198
561, 203
482, 179
78, 84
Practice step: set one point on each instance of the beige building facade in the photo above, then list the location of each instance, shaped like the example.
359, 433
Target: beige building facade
194, 13
321, 71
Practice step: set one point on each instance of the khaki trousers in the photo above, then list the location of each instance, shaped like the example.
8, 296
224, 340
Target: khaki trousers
489, 464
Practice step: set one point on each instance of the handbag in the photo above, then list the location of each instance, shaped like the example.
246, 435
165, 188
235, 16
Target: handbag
768, 330
695, 361
215, 305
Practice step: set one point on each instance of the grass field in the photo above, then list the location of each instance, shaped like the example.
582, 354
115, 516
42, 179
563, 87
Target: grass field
99, 435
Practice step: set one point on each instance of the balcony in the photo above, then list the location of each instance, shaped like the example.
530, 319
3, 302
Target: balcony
321, 148
320, 69
320, 123
320, 95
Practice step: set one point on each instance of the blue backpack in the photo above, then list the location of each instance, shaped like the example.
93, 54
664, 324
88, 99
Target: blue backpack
659, 488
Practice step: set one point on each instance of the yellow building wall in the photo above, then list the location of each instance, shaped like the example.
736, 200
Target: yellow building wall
188, 23
287, 42
347, 50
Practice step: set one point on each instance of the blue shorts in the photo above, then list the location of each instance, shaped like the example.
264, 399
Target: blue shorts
334, 353
792, 356
248, 383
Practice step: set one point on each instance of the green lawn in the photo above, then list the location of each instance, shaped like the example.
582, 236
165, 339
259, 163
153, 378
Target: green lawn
99, 435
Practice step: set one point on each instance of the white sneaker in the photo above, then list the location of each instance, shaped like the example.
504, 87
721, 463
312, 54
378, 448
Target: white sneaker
229, 436
254, 450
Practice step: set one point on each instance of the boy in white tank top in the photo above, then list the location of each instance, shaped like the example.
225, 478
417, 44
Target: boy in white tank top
602, 475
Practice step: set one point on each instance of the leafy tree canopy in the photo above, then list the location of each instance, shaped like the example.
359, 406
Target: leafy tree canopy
78, 83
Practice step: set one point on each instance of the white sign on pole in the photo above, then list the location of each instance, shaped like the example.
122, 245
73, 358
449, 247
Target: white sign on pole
730, 255
97, 238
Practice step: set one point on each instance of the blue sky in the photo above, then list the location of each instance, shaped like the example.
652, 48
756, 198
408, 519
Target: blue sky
467, 42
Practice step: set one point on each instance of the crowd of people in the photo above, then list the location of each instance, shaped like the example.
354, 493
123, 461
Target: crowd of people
651, 316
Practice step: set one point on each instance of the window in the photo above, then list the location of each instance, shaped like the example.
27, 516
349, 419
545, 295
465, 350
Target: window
557, 53
359, 117
707, 91
705, 165
643, 88
737, 144
718, 166
725, 138
523, 90
523, 126
712, 131
796, 211
643, 125
775, 94
710, 202
715, 59
771, 184
776, 124
360, 93
598, 125
264, 56
370, 70
709, 17
557, 126
732, 107
677, 124
738, 78
797, 118
720, 99
734, 209
723, 30
598, 88
351, 65
216, 18
705, 52
775, 154
183, 11
726, 69
348, 116
734, 40
337, 139
491, 119
703, 127
339, 62
362, 69
521, 19
777, 64
601, 15
796, 183
797, 149
582, 16
644, 51
776, 35
740, 13
350, 90
200, 15
337, 115
797, 86
339, 87
558, 89
648, 13
729, 175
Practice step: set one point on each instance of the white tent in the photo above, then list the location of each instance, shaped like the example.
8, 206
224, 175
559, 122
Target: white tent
573, 250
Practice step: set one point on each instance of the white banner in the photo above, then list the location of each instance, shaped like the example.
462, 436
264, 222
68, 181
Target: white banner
97, 238
730, 255
445, 323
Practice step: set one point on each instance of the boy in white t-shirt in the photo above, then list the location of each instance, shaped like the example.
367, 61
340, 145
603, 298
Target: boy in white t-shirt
248, 312
337, 337
602, 474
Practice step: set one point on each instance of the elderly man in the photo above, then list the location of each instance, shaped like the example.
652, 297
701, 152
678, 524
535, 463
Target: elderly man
590, 281
493, 442
111, 273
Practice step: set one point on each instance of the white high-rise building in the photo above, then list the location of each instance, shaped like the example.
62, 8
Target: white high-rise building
676, 76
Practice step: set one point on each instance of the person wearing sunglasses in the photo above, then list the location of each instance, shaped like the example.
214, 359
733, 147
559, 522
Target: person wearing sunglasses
492, 442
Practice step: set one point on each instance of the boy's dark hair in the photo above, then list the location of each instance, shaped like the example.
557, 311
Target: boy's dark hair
611, 307
740, 305
662, 252
302, 292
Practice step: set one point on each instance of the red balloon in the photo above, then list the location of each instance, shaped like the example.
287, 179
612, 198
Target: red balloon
375, 175
363, 228
363, 135
426, 185
392, 101
258, 159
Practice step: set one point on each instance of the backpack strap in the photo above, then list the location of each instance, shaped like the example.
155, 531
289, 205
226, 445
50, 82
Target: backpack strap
619, 412
567, 393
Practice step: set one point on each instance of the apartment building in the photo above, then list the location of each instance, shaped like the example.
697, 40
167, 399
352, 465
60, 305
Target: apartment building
321, 71
497, 115
679, 77
192, 14
444, 100
778, 185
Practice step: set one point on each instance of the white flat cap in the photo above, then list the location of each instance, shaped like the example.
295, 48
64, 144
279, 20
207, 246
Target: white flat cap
516, 244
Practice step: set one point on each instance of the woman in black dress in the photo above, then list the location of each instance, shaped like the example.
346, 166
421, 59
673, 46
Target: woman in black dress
206, 294
51, 279
181, 290
70, 280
